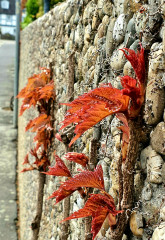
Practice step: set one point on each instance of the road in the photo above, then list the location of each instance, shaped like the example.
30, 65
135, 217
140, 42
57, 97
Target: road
8, 143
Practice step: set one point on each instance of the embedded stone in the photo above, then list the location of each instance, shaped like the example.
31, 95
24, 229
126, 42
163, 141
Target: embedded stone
107, 7
106, 159
101, 31
154, 168
163, 35
119, 28
95, 20
113, 170
162, 213
67, 14
124, 237
135, 45
147, 192
104, 8
117, 83
80, 202
136, 224
123, 6
128, 69
156, 61
88, 12
159, 232
140, 21
72, 19
130, 33
68, 46
87, 35
115, 123
138, 185
89, 58
109, 37
96, 39
76, 18
79, 35
163, 9
163, 173
144, 156
117, 139
155, 101
118, 60
105, 20
158, 138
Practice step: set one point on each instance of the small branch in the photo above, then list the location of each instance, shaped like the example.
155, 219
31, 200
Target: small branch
71, 66
36, 222
126, 180
91, 166
120, 176
94, 147
117, 233
129, 165
88, 234
66, 140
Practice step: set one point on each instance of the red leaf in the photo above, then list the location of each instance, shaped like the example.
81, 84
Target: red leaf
61, 193
40, 123
92, 107
43, 163
28, 169
86, 179
42, 126
136, 92
33, 152
26, 159
59, 169
43, 139
36, 90
135, 88
98, 219
47, 92
137, 62
131, 87
41, 160
58, 137
126, 134
98, 206
79, 158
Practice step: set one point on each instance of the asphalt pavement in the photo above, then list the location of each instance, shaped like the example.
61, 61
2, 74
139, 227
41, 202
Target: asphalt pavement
8, 144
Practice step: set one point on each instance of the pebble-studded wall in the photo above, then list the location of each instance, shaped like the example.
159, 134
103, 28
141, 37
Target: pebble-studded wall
81, 41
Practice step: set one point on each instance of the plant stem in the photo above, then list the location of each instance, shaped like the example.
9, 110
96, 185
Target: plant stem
36, 222
70, 97
92, 165
120, 176
129, 165
126, 180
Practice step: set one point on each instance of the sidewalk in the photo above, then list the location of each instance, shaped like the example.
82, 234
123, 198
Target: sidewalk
8, 143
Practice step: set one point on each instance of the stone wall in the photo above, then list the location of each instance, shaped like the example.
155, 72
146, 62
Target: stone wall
90, 34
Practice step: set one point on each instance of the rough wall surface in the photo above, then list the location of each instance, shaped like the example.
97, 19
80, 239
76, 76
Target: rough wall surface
89, 33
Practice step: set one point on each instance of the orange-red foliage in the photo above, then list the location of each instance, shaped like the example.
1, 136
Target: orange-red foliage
86, 179
39, 87
79, 158
90, 108
98, 206
39, 92
59, 169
